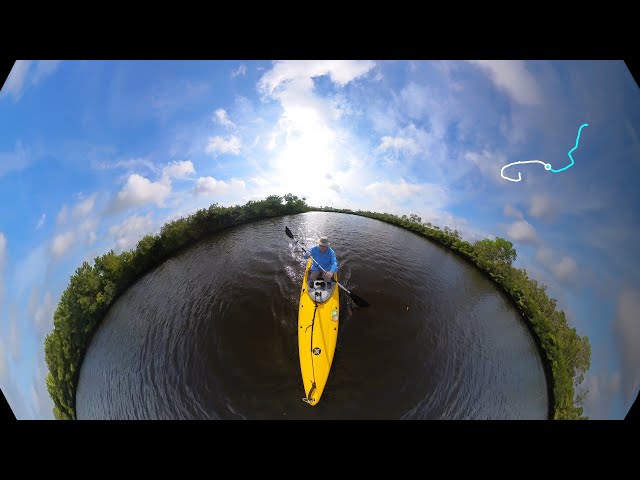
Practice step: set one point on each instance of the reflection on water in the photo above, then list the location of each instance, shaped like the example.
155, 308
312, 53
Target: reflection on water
211, 333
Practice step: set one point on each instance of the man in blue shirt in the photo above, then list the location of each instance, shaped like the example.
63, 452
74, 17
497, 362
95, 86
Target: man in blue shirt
325, 256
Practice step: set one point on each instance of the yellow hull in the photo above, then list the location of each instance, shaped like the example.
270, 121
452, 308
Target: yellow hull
317, 338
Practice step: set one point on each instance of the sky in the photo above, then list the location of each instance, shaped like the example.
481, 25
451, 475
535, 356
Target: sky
96, 154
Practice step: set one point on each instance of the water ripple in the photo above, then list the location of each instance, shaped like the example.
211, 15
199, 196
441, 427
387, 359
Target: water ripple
212, 333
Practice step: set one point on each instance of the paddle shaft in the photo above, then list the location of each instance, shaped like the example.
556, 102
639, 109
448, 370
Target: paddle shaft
314, 260
356, 299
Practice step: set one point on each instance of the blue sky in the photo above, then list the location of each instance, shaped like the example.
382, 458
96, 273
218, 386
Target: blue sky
96, 154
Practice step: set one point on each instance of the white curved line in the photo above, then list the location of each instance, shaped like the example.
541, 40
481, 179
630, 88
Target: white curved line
517, 163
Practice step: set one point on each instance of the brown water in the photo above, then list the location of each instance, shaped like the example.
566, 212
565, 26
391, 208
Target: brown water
212, 333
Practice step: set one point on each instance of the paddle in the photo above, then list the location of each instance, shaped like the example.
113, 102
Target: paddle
356, 299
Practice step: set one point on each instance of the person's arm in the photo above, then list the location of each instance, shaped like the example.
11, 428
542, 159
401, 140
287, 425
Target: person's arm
334, 263
308, 253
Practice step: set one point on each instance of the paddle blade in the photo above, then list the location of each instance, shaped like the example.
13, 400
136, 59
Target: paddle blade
358, 301
288, 232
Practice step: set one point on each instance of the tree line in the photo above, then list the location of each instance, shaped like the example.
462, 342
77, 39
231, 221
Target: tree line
94, 288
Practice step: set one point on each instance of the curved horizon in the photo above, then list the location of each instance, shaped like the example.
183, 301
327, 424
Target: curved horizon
96, 154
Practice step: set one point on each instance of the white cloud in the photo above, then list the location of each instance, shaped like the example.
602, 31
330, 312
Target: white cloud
384, 118
302, 72
88, 225
416, 100
545, 256
129, 164
627, 336
87, 230
336, 188
139, 191
220, 116
32, 269
489, 163
22, 76
522, 231
398, 144
63, 215
510, 211
170, 96
43, 69
41, 313
512, 77
309, 132
412, 147
178, 169
211, 186
241, 70
343, 107
41, 221
84, 207
398, 190
565, 203
424, 199
219, 144
15, 82
259, 181
14, 161
61, 243
541, 206
130, 231
566, 270
272, 142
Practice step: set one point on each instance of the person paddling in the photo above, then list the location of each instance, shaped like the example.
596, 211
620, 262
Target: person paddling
325, 256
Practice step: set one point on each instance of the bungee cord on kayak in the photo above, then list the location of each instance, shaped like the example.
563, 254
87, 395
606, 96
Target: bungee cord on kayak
309, 398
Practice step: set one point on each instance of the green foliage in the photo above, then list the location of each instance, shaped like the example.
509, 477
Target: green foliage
93, 288
498, 251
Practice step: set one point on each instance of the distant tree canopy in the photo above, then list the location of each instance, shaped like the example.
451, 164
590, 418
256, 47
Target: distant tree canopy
499, 251
94, 288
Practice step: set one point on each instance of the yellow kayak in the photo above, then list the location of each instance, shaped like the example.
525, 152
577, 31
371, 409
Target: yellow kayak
318, 316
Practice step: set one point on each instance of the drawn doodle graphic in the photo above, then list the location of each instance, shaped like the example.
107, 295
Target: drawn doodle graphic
547, 166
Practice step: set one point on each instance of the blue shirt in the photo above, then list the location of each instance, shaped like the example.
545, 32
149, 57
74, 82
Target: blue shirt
327, 259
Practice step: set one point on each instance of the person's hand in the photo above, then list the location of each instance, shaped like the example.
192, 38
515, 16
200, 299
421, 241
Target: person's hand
327, 276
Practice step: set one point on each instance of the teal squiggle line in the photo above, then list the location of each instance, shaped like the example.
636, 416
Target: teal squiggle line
570, 157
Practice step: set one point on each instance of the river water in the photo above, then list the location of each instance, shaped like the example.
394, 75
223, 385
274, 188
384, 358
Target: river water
212, 333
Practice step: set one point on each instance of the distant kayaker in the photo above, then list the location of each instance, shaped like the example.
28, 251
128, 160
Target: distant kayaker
325, 256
